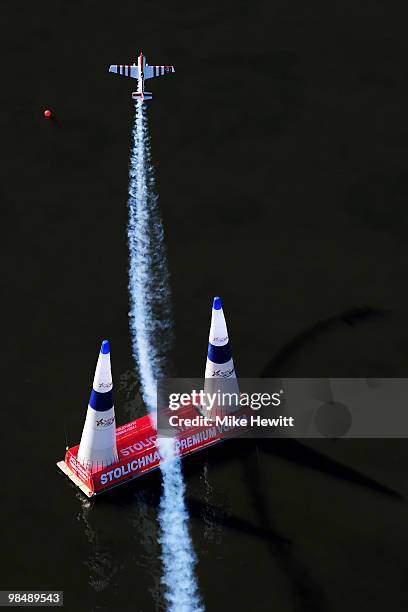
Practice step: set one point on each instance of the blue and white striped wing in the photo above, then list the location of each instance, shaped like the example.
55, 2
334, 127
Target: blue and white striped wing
155, 71
125, 70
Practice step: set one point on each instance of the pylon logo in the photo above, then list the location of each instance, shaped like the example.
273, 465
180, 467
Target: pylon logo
220, 339
105, 422
103, 385
221, 374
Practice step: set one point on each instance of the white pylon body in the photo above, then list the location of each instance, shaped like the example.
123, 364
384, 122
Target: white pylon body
97, 448
219, 370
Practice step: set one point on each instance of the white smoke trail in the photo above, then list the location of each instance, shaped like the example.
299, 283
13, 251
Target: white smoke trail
150, 323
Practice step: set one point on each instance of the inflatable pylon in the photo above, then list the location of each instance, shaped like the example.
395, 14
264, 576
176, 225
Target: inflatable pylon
219, 370
98, 442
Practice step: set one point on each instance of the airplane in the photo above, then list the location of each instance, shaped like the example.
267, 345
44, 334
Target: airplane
141, 72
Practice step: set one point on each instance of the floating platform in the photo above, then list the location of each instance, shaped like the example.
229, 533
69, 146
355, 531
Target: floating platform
132, 450
138, 453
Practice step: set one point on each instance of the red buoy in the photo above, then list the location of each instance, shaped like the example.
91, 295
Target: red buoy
47, 114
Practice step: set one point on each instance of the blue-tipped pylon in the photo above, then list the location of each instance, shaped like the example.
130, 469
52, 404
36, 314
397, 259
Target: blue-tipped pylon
98, 442
219, 369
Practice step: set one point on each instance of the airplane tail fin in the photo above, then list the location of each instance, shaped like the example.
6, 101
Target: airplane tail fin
142, 96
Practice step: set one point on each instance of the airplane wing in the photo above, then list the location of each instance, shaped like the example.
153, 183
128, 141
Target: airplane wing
125, 70
155, 71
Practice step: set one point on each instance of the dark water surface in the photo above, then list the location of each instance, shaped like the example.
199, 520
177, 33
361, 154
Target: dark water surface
281, 158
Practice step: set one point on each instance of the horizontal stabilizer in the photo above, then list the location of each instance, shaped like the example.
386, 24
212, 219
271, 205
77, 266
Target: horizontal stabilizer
142, 96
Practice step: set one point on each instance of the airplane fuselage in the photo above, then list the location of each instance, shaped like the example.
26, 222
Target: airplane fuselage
141, 62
